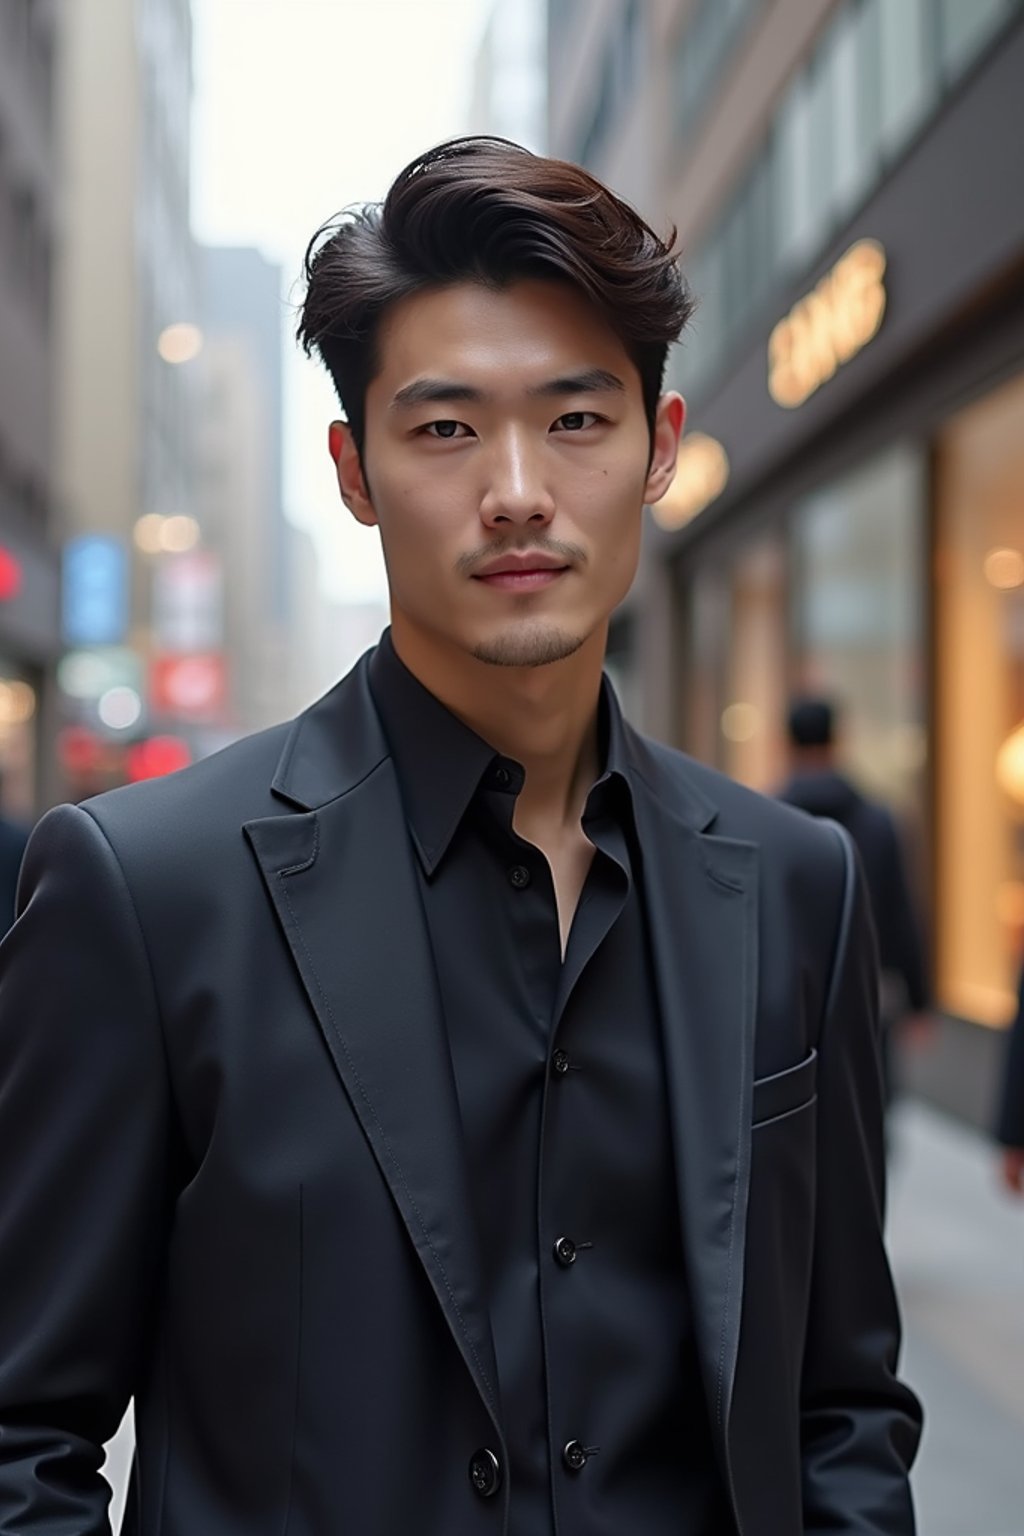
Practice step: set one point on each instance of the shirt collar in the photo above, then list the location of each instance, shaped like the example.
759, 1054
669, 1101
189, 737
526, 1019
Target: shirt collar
441, 762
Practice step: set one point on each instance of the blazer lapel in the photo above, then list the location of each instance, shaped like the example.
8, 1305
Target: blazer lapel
343, 883
701, 896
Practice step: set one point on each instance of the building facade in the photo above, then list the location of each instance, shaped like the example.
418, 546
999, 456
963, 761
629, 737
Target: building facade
127, 336
29, 565
847, 516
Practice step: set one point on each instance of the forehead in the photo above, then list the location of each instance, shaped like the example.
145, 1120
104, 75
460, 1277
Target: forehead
523, 333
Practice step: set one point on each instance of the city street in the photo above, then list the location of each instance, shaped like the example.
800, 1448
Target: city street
958, 1250
957, 1244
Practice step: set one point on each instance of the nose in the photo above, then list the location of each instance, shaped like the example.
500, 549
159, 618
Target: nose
517, 493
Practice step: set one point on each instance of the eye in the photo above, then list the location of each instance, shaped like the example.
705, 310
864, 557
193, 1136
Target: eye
576, 421
446, 429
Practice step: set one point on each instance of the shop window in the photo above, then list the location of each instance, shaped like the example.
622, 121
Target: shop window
980, 706
751, 723
857, 618
706, 637
19, 703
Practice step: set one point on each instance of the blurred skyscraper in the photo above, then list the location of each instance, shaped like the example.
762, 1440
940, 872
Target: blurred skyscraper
29, 570
509, 96
127, 302
846, 519
240, 475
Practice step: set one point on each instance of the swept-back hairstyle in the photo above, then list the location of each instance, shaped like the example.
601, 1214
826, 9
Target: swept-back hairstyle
489, 211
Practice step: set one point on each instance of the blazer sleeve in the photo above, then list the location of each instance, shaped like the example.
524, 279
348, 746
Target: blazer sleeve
860, 1426
84, 1117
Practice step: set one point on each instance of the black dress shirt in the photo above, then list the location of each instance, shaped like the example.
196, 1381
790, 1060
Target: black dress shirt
560, 1081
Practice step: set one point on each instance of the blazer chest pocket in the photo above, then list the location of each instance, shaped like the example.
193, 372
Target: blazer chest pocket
785, 1092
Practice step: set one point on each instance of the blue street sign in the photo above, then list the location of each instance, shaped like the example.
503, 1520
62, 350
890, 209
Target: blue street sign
95, 591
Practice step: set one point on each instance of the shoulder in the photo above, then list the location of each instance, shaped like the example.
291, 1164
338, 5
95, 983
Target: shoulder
787, 834
198, 811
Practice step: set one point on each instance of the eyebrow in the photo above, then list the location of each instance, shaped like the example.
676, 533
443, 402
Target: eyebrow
591, 381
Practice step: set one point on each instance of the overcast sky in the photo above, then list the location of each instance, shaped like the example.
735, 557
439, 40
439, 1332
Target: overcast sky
302, 107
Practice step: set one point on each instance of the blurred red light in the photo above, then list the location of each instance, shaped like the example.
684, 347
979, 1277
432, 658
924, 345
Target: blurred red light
159, 755
80, 749
11, 575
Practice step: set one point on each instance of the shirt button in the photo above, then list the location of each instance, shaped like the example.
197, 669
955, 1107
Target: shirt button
560, 1062
485, 1473
502, 777
519, 876
565, 1252
574, 1456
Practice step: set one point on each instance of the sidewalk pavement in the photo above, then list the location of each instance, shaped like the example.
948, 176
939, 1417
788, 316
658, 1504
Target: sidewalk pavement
957, 1245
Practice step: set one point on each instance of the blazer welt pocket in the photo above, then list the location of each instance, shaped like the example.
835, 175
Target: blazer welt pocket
786, 1091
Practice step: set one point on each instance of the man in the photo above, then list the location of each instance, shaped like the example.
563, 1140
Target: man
451, 1112
817, 786
1010, 1123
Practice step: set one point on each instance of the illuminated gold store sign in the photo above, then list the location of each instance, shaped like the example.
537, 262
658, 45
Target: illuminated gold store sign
702, 471
828, 326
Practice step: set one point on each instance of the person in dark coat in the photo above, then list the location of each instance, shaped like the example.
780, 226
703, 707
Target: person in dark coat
817, 786
1010, 1124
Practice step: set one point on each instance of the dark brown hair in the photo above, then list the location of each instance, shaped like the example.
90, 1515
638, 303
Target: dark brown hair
489, 211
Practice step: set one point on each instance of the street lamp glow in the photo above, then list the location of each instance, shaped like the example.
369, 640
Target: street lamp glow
148, 531
180, 343
179, 534
120, 708
1004, 568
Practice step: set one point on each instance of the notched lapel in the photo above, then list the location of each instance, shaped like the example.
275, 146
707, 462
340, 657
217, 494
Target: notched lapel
702, 904
344, 886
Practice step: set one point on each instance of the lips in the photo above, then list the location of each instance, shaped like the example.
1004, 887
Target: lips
523, 579
522, 565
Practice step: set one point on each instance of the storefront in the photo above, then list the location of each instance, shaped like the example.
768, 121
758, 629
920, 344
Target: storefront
29, 641
867, 541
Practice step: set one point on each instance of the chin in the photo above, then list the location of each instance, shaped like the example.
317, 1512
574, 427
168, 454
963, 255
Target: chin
533, 645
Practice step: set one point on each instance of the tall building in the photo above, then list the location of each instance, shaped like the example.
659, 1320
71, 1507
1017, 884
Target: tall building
127, 306
241, 508
846, 518
29, 569
509, 96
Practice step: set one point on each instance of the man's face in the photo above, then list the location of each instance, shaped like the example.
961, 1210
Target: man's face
507, 460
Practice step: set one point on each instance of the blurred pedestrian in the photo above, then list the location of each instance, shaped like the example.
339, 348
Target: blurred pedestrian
451, 1111
1010, 1124
13, 840
817, 786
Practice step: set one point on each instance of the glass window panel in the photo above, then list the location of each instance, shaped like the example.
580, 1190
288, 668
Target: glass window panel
964, 29
858, 606
851, 157
980, 706
753, 711
908, 68
796, 219
822, 146
869, 84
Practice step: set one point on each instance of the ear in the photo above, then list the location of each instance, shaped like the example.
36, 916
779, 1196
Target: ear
348, 466
668, 427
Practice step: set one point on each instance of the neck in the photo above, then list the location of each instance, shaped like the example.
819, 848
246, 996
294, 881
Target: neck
545, 718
